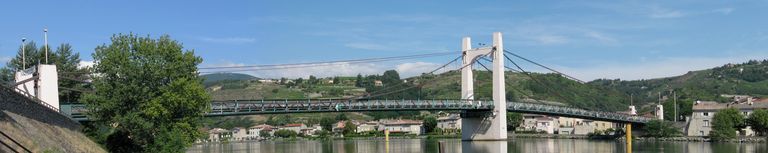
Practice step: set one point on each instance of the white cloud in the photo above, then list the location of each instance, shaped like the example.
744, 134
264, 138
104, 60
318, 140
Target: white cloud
725, 11
84, 64
234, 40
666, 67
415, 68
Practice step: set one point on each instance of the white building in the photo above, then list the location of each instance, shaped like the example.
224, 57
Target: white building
450, 122
562, 125
254, 132
219, 134
239, 134
545, 124
368, 126
404, 126
700, 123
294, 127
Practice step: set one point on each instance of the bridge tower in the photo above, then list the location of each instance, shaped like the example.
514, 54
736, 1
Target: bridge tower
484, 125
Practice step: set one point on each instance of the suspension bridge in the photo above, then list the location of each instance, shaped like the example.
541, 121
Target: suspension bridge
482, 120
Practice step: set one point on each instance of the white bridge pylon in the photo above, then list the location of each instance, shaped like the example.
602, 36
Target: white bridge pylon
484, 125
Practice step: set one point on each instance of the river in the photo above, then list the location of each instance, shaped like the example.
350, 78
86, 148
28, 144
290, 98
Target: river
519, 145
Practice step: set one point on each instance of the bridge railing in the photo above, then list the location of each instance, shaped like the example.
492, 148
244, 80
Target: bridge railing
575, 112
286, 106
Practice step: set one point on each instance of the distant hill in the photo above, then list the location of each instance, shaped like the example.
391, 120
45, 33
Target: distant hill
216, 77
750, 78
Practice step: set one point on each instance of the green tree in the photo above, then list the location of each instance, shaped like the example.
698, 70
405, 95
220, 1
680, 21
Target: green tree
349, 128
758, 121
341, 117
390, 77
336, 80
70, 76
283, 80
430, 124
514, 120
299, 81
725, 124
6, 76
312, 80
659, 128
285, 133
264, 134
150, 92
327, 123
359, 81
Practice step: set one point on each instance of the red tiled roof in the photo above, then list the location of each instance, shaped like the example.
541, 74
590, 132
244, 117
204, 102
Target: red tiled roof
293, 125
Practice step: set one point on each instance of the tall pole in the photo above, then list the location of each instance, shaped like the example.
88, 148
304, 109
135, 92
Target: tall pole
23, 53
45, 33
674, 99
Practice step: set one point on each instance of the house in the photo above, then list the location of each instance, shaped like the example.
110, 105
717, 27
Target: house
368, 126
545, 124
529, 122
254, 132
378, 83
450, 122
239, 134
584, 127
218, 134
339, 127
565, 125
562, 125
295, 127
404, 126
267, 81
700, 123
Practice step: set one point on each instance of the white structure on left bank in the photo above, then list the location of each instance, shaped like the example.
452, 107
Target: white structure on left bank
39, 82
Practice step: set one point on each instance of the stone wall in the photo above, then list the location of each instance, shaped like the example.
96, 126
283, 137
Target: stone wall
16, 103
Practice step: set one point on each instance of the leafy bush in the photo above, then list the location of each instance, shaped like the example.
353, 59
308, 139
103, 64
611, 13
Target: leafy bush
285, 133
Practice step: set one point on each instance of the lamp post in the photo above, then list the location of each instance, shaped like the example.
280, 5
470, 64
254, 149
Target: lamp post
23, 53
45, 31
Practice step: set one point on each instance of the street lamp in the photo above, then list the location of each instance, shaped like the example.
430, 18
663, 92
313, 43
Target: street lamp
23, 53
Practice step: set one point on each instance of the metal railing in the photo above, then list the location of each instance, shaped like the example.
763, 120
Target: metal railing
574, 112
23, 94
298, 106
14, 142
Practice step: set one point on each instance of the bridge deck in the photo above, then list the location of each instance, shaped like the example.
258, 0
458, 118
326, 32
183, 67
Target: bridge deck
255, 107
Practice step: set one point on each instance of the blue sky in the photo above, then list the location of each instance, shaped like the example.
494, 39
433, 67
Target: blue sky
589, 40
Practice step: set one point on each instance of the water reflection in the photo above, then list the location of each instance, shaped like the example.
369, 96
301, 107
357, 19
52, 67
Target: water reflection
458, 146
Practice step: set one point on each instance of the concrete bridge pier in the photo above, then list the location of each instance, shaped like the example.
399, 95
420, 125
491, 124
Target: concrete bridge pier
484, 125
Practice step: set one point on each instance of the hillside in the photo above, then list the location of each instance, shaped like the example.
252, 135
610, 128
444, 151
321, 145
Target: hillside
750, 78
216, 77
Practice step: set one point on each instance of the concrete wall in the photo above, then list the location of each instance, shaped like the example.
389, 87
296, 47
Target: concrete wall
40, 128
14, 102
